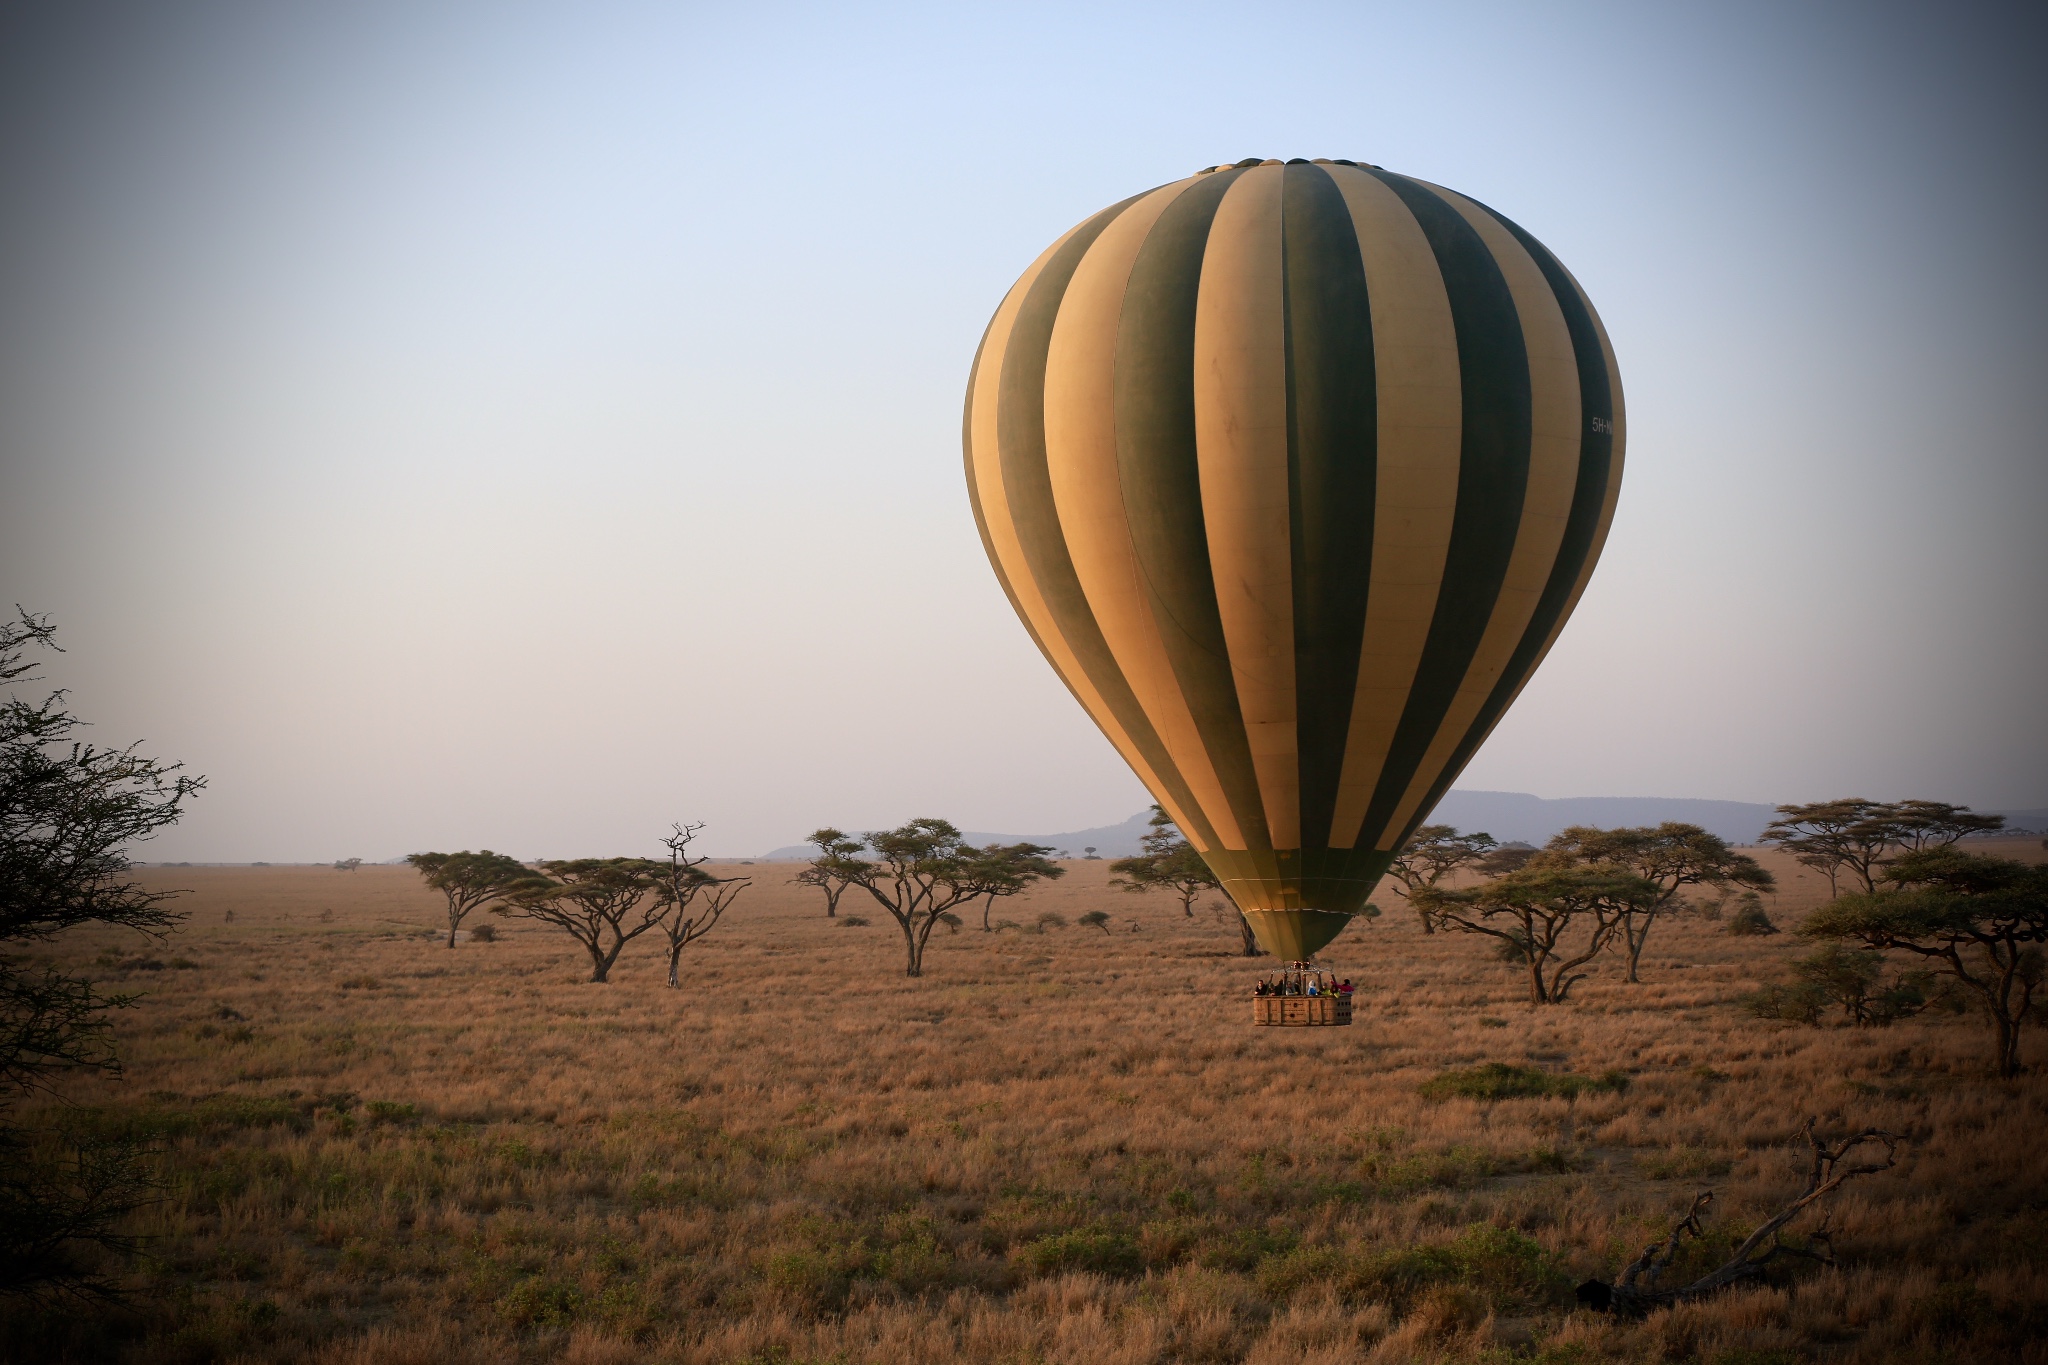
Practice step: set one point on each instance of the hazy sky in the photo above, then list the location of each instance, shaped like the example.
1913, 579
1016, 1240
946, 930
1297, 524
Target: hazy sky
526, 425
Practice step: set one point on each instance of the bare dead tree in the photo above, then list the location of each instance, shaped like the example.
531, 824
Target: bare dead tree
1635, 1291
697, 899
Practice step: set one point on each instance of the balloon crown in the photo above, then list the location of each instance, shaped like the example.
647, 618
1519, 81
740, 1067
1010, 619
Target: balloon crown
1291, 161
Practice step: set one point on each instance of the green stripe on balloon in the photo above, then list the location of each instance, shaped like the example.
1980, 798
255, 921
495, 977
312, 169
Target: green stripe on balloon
1589, 496
1155, 444
1493, 474
1333, 440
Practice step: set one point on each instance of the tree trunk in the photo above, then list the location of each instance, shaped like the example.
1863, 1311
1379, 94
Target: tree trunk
832, 901
1251, 940
914, 950
675, 962
1636, 938
988, 903
2008, 1045
454, 923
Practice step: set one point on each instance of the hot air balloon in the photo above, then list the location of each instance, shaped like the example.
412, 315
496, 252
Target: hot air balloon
1294, 472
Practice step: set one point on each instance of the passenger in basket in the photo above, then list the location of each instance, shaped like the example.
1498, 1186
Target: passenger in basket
1345, 988
1312, 988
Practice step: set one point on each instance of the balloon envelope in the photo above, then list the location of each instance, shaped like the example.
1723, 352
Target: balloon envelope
1294, 472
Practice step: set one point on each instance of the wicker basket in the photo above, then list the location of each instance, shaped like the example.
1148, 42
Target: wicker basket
1301, 1011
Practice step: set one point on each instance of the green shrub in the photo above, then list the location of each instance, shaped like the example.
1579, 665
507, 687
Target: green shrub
1506, 1081
1852, 980
1508, 1267
540, 1302
814, 1278
391, 1111
1749, 919
1281, 1277
1242, 1249
1101, 1252
914, 1261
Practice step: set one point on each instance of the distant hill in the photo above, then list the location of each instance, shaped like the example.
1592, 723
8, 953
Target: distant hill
1108, 841
1507, 816
1512, 816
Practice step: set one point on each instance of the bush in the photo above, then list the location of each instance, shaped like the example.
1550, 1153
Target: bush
853, 922
1244, 1249
1749, 919
1051, 919
483, 933
1506, 1081
1100, 1252
1508, 1267
1790, 1004
1095, 919
538, 1302
1852, 980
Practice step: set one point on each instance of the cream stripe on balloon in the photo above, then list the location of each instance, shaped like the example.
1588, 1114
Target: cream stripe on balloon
1241, 455
1554, 434
1415, 361
1008, 551
1081, 458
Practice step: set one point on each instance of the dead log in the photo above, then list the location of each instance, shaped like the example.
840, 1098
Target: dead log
1635, 1291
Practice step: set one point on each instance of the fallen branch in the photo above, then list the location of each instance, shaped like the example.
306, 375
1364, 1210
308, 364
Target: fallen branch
1635, 1290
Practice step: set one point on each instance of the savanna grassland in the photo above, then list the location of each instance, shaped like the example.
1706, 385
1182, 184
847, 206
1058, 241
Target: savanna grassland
1059, 1145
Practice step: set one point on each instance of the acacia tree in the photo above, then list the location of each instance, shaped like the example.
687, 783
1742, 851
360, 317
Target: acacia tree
1672, 855
832, 843
1922, 825
922, 870
1828, 836
1855, 834
603, 903
1169, 862
1532, 911
1976, 918
1010, 869
69, 814
1432, 853
697, 900
468, 880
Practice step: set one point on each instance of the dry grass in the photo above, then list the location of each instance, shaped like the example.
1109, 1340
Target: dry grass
1055, 1147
